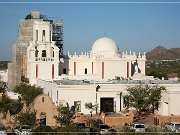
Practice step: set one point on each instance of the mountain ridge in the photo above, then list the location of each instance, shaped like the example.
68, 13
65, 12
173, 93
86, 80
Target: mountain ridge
162, 53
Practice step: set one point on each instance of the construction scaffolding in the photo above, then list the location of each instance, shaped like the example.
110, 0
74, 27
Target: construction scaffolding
57, 34
57, 28
25, 35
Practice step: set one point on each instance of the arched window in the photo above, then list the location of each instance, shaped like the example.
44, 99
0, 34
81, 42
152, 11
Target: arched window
44, 53
43, 35
52, 52
36, 35
85, 71
36, 53
42, 119
50, 35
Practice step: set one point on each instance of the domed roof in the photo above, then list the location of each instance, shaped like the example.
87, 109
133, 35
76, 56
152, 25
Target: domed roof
104, 44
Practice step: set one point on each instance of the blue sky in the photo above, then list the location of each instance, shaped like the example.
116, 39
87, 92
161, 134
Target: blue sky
137, 27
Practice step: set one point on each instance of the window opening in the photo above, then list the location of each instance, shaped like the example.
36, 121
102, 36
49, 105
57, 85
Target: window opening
85, 71
44, 53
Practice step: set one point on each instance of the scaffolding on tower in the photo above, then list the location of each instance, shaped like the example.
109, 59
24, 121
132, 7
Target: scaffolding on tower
57, 34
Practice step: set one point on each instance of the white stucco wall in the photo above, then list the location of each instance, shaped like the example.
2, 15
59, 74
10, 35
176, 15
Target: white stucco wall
169, 104
4, 75
84, 94
113, 66
41, 25
41, 67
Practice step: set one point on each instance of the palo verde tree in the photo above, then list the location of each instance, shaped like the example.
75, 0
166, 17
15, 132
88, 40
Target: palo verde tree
91, 107
28, 92
143, 97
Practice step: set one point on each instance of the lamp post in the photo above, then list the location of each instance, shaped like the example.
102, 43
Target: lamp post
120, 96
97, 89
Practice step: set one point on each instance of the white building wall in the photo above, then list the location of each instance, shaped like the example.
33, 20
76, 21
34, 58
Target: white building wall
41, 67
114, 66
4, 75
44, 71
81, 64
40, 25
87, 93
174, 108
84, 94
141, 63
163, 105
170, 100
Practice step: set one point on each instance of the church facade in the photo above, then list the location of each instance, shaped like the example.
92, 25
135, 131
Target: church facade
103, 62
40, 58
77, 79
35, 55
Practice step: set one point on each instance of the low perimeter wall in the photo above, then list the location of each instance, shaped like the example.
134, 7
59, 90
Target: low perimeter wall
161, 120
109, 120
117, 121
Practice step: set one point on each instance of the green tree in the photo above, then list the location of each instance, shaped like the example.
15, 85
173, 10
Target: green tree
28, 92
4, 102
93, 122
69, 128
3, 65
15, 107
64, 116
26, 118
3, 86
10, 105
91, 107
144, 97
41, 130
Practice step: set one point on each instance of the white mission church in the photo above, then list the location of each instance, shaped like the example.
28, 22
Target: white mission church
79, 78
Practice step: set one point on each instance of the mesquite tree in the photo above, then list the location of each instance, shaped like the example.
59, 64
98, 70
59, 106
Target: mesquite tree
143, 97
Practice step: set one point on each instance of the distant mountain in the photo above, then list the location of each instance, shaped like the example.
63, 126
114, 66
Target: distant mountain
161, 53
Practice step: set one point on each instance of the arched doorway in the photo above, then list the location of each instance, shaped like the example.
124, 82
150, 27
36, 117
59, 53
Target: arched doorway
42, 119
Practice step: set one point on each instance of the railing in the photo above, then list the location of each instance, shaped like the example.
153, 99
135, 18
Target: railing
44, 59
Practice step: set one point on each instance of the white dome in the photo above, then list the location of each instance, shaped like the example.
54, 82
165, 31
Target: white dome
104, 45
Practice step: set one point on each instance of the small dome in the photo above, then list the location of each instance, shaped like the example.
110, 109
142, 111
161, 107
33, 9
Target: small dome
104, 45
